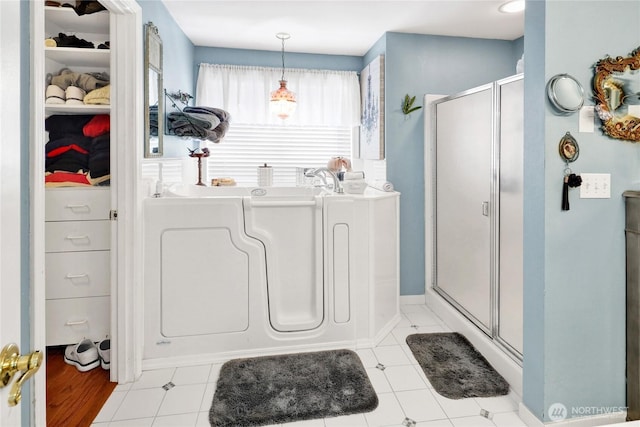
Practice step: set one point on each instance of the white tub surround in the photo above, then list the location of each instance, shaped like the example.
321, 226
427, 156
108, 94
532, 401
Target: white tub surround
237, 271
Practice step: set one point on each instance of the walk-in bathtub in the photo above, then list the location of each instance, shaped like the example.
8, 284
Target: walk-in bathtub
239, 271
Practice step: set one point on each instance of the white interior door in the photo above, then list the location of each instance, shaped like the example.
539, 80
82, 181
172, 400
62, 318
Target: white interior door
10, 247
464, 134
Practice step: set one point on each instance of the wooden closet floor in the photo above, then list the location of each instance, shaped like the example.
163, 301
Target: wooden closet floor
74, 398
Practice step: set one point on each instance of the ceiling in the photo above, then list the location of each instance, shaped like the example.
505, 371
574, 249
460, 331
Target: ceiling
348, 27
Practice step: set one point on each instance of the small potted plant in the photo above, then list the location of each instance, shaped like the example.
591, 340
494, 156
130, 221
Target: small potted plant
407, 105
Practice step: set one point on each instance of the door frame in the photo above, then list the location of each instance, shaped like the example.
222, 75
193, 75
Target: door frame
126, 129
11, 223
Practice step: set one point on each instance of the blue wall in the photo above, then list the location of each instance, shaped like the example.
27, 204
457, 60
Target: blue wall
574, 315
178, 60
418, 65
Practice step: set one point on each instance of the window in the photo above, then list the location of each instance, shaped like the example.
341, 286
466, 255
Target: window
245, 147
321, 128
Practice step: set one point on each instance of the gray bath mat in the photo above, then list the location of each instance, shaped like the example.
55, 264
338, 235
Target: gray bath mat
292, 387
454, 367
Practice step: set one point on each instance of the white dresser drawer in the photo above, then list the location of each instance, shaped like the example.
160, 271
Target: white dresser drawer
70, 320
67, 236
73, 204
77, 274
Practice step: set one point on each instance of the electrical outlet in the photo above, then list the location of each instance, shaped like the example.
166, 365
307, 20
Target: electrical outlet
595, 186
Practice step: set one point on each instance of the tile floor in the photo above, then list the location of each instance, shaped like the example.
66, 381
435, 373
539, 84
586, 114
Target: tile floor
405, 396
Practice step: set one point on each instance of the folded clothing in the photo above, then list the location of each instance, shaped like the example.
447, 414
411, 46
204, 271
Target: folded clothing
69, 162
81, 142
66, 179
99, 161
62, 125
100, 96
98, 125
85, 81
60, 151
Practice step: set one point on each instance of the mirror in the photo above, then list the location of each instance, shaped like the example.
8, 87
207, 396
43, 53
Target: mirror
153, 100
568, 148
616, 87
565, 93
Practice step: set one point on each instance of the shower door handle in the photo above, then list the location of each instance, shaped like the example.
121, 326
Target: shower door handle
485, 208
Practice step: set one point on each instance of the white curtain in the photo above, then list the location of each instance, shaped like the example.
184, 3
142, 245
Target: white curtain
324, 98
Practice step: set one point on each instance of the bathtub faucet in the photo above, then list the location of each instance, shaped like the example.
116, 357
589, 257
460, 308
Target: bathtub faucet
322, 174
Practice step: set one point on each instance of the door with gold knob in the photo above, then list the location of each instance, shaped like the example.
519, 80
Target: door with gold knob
13, 222
16, 369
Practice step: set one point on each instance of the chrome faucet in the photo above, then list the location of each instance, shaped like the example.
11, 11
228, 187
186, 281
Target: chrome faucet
322, 174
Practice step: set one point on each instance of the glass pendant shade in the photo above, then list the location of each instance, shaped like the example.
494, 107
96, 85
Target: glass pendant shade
283, 101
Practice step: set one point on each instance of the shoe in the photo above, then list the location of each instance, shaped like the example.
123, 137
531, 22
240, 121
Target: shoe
84, 355
55, 95
85, 7
64, 40
104, 351
75, 95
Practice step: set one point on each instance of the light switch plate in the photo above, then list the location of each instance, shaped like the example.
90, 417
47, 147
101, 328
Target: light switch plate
595, 186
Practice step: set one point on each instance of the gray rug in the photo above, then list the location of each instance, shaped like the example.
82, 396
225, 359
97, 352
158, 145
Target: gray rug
454, 367
293, 387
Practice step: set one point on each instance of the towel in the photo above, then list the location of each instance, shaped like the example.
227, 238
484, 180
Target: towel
199, 122
354, 175
382, 185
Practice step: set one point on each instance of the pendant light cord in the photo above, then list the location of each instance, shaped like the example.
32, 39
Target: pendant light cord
282, 59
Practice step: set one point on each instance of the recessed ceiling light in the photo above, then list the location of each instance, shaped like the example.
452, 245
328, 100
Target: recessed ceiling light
513, 6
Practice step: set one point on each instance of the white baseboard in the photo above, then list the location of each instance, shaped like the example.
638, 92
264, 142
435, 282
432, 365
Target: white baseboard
596, 420
412, 299
527, 416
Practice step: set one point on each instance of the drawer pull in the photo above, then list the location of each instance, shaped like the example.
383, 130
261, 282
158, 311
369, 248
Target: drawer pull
76, 276
83, 237
76, 323
76, 207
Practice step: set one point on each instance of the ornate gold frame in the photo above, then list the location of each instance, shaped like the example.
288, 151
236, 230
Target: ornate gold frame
625, 127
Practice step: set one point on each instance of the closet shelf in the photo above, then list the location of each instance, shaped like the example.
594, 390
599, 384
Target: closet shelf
65, 17
76, 109
79, 57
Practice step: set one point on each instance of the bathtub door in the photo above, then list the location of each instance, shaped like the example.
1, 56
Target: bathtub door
291, 231
464, 202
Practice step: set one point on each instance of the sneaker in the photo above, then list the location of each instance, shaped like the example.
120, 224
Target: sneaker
104, 351
84, 355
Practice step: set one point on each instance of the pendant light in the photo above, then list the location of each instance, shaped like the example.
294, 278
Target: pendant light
283, 101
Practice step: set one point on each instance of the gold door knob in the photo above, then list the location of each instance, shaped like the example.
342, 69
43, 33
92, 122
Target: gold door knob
10, 363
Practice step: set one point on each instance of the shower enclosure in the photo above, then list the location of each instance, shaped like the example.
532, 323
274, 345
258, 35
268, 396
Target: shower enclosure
476, 195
